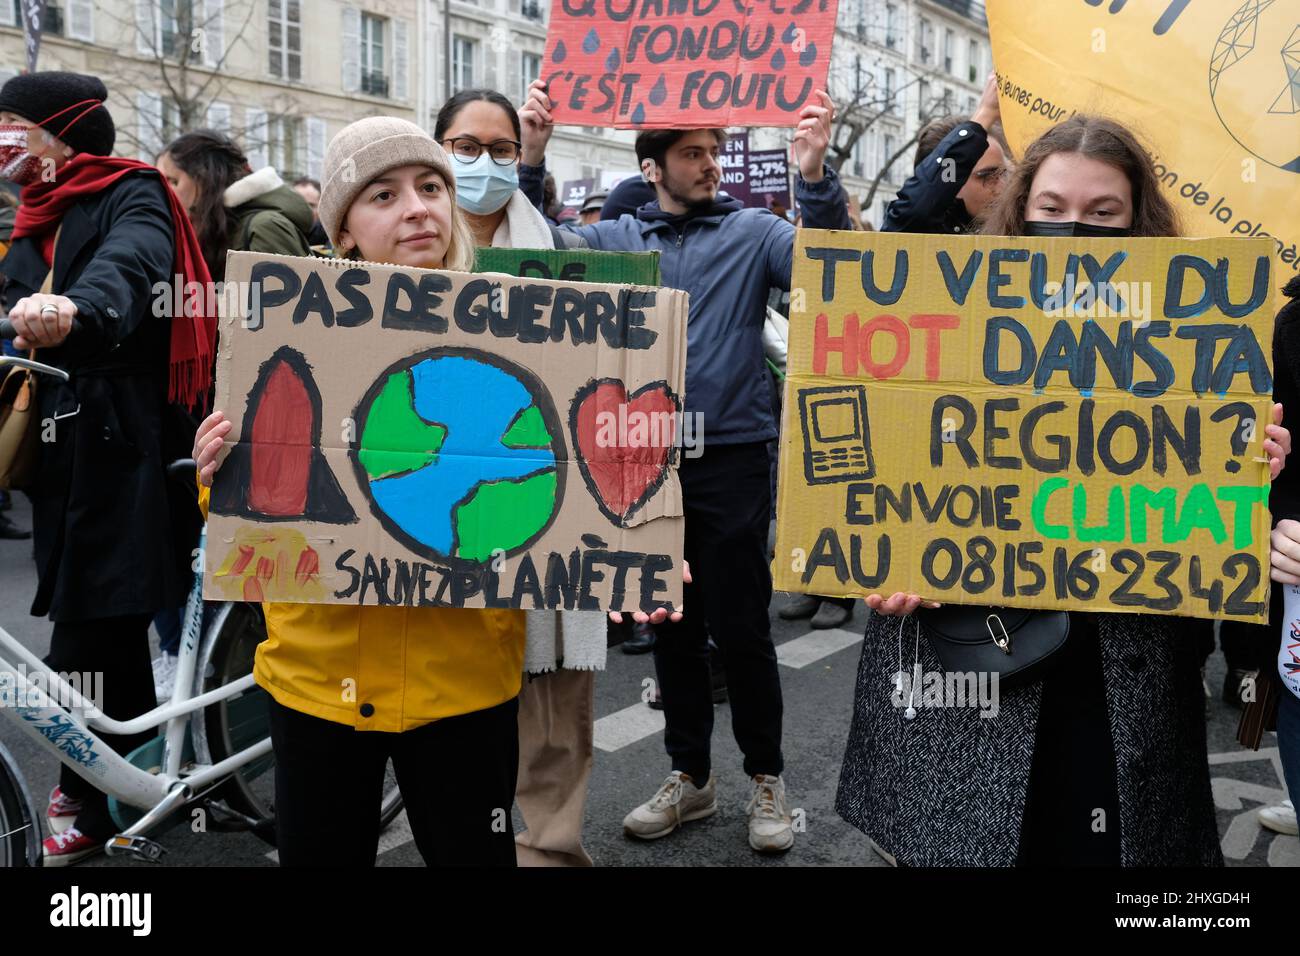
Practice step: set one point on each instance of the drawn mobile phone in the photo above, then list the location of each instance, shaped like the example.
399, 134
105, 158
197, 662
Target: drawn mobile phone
836, 434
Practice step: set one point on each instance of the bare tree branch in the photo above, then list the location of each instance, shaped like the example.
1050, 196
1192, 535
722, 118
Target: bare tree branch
880, 174
171, 62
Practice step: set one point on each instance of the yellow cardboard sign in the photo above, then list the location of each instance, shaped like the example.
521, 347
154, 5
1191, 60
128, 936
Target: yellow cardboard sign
1053, 423
1213, 89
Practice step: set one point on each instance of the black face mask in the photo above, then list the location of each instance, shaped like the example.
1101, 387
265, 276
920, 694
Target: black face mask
1035, 228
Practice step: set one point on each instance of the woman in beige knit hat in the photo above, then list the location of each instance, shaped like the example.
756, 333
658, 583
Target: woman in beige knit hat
374, 171
434, 689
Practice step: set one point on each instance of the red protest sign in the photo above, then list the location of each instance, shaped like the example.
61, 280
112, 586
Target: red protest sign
659, 64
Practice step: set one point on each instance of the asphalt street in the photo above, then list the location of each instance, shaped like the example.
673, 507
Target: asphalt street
817, 672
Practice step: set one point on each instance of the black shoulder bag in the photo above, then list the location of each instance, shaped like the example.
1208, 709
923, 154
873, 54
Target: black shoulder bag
1013, 643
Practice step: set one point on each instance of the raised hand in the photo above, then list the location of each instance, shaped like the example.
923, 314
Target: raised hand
537, 125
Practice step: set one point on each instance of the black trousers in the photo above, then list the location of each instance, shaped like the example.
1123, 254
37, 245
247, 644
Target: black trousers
727, 499
1248, 646
117, 648
457, 777
1072, 807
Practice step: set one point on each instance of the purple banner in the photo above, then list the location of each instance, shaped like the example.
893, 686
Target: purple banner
759, 178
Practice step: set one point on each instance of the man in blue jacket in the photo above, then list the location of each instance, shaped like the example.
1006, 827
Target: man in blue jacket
727, 258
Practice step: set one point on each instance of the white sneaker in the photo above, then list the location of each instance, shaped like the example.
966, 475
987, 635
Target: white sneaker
1280, 819
676, 802
769, 820
164, 676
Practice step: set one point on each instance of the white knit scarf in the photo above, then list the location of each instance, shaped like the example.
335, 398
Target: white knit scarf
574, 640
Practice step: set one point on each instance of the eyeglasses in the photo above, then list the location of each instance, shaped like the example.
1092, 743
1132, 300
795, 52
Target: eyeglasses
467, 149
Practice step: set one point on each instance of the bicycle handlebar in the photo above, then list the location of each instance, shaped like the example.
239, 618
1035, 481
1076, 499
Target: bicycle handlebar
9, 333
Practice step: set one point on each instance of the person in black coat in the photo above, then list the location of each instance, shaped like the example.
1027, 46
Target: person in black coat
959, 172
1250, 648
1284, 505
8, 206
110, 551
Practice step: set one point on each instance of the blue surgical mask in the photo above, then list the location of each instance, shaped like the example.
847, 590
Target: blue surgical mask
483, 187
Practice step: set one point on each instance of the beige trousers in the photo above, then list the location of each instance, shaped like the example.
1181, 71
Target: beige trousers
556, 717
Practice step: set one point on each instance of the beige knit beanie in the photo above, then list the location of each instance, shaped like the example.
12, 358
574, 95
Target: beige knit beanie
368, 148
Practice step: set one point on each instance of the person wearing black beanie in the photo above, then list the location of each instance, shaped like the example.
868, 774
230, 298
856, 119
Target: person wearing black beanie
627, 197
93, 238
69, 106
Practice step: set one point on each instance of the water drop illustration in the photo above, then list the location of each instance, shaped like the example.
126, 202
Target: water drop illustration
659, 92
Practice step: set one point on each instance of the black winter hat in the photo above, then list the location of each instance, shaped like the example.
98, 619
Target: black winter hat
68, 105
627, 197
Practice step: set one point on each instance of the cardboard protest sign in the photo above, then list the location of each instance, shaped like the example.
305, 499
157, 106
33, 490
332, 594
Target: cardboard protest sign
1051, 423
1212, 88
670, 64
410, 437
572, 265
758, 178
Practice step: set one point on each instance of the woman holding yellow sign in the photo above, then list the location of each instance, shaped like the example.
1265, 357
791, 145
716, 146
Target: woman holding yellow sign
1096, 754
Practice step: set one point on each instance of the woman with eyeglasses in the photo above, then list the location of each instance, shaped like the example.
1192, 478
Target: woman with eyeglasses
480, 130
959, 172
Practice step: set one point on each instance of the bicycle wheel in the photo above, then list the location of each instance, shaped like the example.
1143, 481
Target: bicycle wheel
20, 824
241, 721
238, 722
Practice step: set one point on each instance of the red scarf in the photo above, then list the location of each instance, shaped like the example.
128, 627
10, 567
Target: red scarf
193, 335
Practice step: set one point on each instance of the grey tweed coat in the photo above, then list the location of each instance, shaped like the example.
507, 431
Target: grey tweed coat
948, 787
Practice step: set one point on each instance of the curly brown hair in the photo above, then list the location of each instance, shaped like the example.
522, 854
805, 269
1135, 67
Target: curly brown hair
1096, 138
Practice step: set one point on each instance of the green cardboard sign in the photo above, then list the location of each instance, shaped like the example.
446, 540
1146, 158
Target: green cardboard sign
572, 265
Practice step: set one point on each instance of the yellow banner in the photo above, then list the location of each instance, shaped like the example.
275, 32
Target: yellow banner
1213, 89
1055, 423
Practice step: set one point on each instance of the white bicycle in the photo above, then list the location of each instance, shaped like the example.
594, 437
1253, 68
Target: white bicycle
213, 749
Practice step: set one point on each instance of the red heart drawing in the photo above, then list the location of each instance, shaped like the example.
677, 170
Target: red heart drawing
623, 443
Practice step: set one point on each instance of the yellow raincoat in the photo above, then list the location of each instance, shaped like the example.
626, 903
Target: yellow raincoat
388, 668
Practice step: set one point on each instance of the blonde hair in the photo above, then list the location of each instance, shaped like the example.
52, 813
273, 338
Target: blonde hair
460, 253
